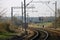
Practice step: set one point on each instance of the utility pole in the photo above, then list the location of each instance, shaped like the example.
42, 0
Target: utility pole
12, 14
22, 13
27, 18
55, 14
25, 24
23, 6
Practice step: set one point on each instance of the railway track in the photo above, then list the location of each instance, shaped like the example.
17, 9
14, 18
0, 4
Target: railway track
36, 36
40, 35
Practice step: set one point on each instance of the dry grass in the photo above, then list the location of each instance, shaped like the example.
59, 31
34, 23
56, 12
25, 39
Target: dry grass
53, 31
39, 25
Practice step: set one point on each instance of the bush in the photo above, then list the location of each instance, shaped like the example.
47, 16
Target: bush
5, 27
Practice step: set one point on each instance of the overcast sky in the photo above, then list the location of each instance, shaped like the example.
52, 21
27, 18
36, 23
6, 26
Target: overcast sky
41, 8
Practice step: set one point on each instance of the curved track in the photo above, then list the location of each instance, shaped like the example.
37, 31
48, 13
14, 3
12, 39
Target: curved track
40, 35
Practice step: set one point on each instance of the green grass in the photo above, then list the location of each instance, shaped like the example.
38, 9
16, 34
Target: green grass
6, 35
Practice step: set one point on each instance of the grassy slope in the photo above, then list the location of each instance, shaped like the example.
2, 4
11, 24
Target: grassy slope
5, 31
